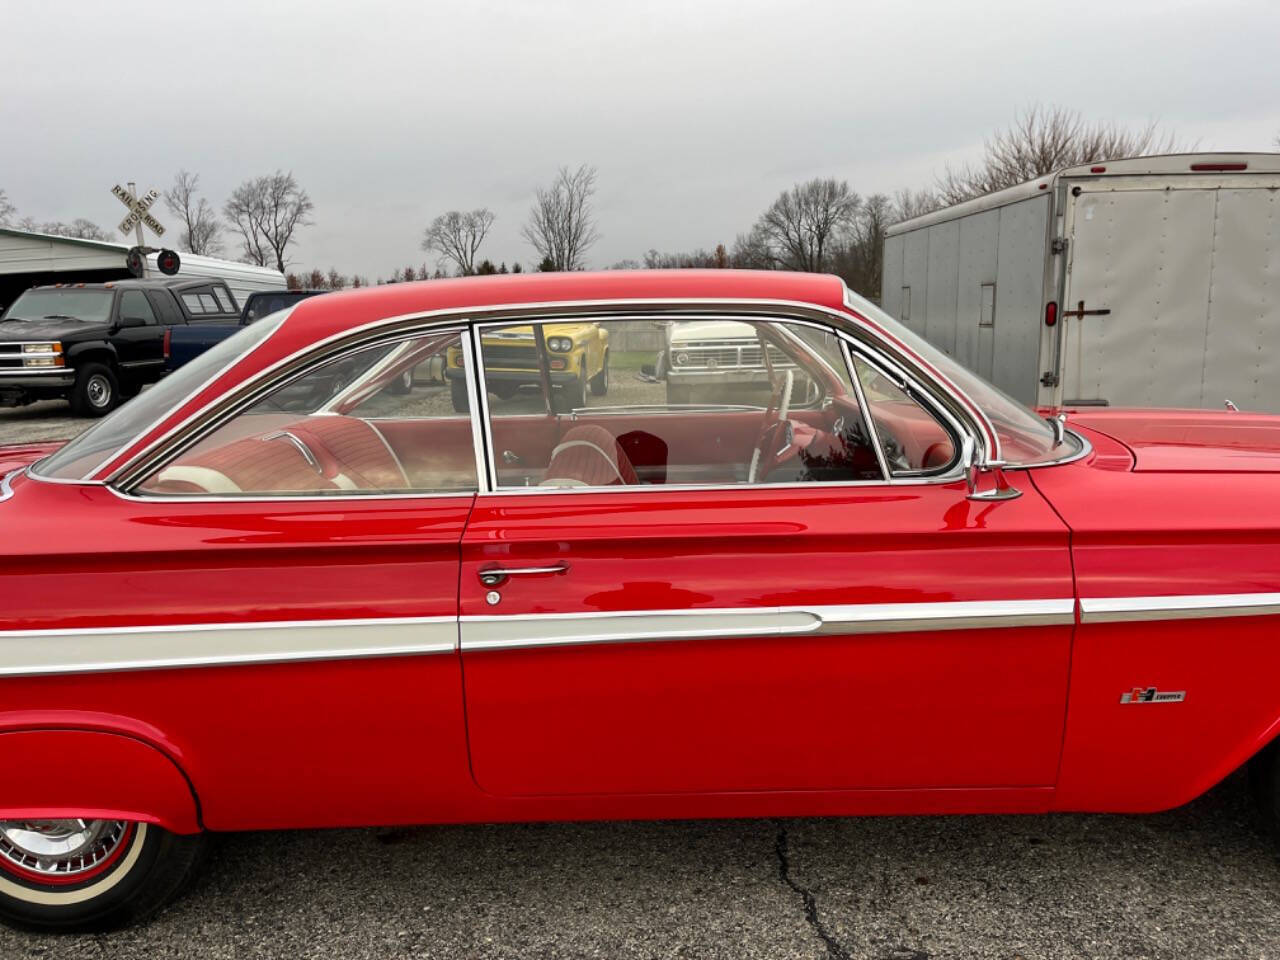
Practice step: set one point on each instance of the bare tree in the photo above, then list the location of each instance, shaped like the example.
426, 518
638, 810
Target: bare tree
1044, 139
802, 226
7, 210
336, 280
78, 229
266, 211
199, 223
457, 236
913, 203
562, 223
860, 259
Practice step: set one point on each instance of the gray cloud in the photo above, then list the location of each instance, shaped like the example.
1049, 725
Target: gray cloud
696, 114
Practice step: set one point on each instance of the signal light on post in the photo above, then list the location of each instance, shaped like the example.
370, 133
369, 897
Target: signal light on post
168, 262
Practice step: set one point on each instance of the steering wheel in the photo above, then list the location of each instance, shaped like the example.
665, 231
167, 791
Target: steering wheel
774, 424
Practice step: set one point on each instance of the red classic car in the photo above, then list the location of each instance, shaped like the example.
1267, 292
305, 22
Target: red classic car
273, 591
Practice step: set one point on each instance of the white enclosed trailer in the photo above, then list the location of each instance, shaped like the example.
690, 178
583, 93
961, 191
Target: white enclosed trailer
32, 259
1146, 282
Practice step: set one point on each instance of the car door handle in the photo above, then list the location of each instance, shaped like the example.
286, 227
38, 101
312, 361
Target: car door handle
495, 576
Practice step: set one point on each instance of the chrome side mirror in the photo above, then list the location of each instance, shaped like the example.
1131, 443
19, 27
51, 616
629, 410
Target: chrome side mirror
974, 473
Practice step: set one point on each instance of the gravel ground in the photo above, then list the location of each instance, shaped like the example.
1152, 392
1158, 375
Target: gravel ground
1199, 882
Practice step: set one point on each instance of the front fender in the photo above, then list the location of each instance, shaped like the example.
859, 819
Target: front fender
54, 774
93, 346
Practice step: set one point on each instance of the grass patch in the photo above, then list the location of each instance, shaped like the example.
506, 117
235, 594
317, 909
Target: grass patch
631, 359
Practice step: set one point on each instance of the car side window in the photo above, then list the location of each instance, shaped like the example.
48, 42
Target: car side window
706, 402
135, 305
914, 441
373, 421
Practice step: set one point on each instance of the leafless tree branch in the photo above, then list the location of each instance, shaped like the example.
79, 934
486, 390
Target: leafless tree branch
266, 212
1044, 139
561, 225
457, 236
199, 224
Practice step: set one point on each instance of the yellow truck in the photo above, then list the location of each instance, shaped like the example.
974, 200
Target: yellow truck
577, 361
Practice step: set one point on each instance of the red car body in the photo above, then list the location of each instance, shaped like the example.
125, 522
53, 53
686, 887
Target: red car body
1151, 562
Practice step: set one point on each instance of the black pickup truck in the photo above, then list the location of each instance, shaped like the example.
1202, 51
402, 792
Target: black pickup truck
184, 344
98, 343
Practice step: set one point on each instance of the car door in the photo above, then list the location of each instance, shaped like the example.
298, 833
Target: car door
627, 637
139, 348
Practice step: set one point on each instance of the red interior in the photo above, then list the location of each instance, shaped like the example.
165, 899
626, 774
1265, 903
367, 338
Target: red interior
269, 452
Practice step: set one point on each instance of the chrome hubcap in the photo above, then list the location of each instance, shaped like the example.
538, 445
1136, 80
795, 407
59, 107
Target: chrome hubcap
59, 848
99, 391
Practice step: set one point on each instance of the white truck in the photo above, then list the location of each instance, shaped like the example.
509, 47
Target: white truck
1144, 282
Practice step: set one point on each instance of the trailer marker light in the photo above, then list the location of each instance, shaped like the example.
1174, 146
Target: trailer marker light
1050, 313
1218, 167
1097, 169
1044, 186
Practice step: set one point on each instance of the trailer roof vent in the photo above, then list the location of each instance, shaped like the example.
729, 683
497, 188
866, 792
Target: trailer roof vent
1218, 167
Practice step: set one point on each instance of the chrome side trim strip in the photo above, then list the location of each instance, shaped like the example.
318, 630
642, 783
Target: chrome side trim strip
636, 626
6, 484
1121, 609
101, 649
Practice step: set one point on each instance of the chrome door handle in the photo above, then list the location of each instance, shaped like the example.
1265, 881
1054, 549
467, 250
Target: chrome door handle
495, 576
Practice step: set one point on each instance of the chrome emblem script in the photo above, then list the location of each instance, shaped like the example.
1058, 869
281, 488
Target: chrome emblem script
1152, 695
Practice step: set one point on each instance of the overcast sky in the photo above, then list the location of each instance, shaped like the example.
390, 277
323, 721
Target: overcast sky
697, 113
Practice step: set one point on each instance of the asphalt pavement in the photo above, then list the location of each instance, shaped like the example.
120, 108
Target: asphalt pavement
1199, 882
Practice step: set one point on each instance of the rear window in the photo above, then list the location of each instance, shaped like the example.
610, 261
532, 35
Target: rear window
80, 458
204, 301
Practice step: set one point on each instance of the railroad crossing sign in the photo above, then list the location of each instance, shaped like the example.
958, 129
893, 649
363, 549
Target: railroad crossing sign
138, 215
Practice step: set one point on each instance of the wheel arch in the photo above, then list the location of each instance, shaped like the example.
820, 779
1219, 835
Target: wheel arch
62, 772
95, 351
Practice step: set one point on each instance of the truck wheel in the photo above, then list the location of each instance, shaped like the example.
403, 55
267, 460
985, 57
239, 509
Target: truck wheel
600, 382
458, 394
96, 391
61, 875
402, 384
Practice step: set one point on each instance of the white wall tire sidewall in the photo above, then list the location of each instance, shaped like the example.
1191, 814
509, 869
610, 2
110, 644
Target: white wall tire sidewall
53, 897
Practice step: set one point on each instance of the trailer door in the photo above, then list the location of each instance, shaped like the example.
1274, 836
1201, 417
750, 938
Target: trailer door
1166, 301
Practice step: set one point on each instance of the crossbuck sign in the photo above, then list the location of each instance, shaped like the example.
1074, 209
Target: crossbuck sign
138, 212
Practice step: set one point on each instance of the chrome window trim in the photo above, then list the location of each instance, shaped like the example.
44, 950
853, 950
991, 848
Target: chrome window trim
143, 467
514, 632
90, 476
1183, 607
952, 474
865, 409
6, 484
916, 393
800, 311
1086, 448
113, 649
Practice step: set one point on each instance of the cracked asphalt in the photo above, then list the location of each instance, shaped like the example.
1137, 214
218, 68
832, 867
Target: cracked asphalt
1199, 882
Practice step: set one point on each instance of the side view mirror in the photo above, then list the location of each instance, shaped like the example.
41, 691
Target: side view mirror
974, 473
132, 322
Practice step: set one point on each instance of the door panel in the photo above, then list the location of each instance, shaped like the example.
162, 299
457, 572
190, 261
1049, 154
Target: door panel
326, 691
722, 640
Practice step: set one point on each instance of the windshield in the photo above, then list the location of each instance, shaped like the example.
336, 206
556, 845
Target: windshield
1025, 438
92, 306
82, 456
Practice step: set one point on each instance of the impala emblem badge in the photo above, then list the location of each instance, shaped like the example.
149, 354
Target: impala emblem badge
1152, 695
